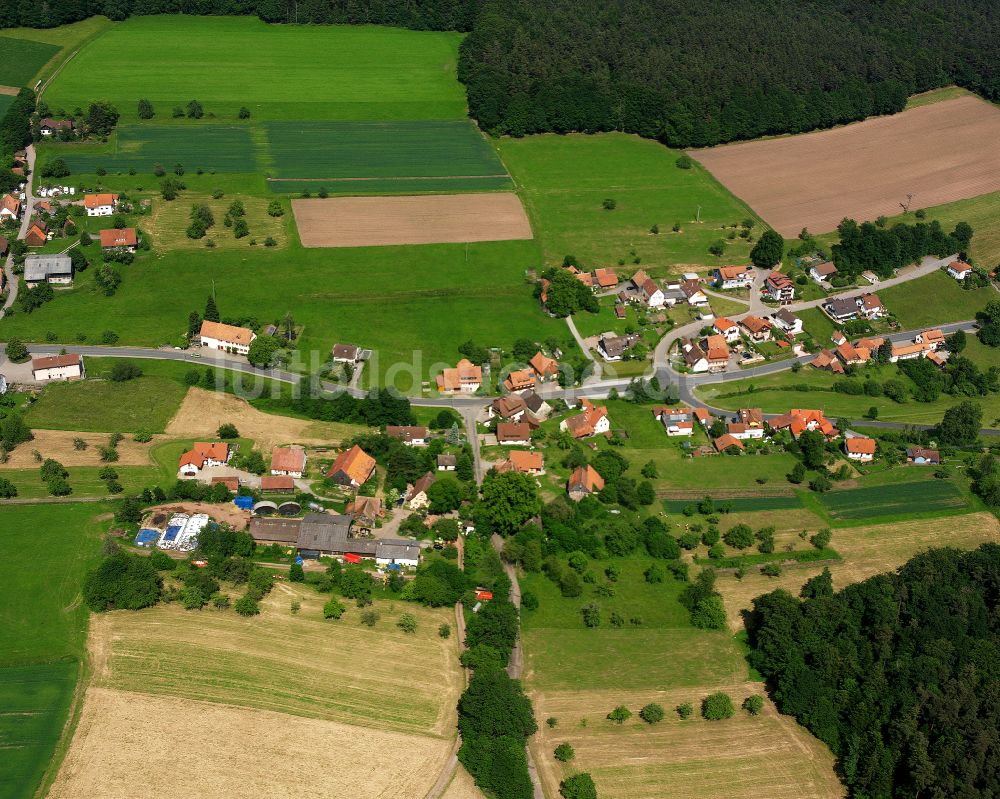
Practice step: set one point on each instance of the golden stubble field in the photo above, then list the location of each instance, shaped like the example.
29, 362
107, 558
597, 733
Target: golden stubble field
58, 444
207, 704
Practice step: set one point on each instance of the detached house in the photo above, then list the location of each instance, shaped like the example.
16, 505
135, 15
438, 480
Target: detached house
860, 449
823, 272
288, 461
345, 353
789, 323
57, 367
779, 287
38, 233
48, 126
352, 468
524, 462
584, 481
612, 347
727, 442
510, 408
959, 270
520, 380
798, 420
734, 277
756, 329
591, 421
410, 435
100, 204
676, 421
919, 456
545, 368
416, 496
55, 269
693, 293
202, 455
464, 378
514, 434
727, 328
10, 208
717, 353
227, 338
694, 356
119, 239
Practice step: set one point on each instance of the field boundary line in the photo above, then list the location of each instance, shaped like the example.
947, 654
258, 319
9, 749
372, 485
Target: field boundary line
69, 729
388, 177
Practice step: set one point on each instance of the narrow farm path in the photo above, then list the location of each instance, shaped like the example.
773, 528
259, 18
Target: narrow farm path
29, 202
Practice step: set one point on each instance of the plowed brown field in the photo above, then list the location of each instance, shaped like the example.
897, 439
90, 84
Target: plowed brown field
426, 219
938, 153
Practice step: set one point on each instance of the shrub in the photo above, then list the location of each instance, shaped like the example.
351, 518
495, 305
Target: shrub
753, 704
122, 371
684, 710
122, 581
652, 713
620, 714
333, 609
579, 786
717, 706
296, 574
246, 605
227, 430
370, 618
444, 631
407, 623
609, 204
684, 162
564, 753
220, 601
821, 539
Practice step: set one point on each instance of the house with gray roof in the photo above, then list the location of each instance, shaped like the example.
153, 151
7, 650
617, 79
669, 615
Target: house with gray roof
56, 269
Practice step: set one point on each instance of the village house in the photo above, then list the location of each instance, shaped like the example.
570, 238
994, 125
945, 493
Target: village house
38, 233
860, 449
57, 367
822, 272
751, 417
789, 323
446, 463
366, 513
717, 353
841, 309
798, 420
524, 462
871, 306
537, 407
726, 442
520, 380
227, 338
416, 495
613, 347
345, 353
591, 421
100, 204
779, 287
288, 461
464, 378
202, 455
604, 278
693, 293
410, 435
743, 432
827, 360
231, 482
703, 416
514, 434
959, 269
676, 421
55, 269
545, 368
694, 356
756, 329
919, 456
510, 408
119, 239
352, 468
397, 552
734, 277
10, 208
47, 126
277, 484
584, 481
727, 328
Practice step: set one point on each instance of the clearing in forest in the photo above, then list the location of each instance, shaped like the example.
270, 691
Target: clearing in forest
924, 156
431, 219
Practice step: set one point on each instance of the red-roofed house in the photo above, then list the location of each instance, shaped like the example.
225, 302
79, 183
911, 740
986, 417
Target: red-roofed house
10, 208
352, 468
527, 462
514, 433
591, 421
727, 441
545, 368
288, 461
202, 455
465, 378
860, 448
277, 484
798, 420
734, 277
57, 367
757, 329
717, 353
119, 239
584, 481
727, 328
779, 287
519, 380
228, 338
100, 204
959, 269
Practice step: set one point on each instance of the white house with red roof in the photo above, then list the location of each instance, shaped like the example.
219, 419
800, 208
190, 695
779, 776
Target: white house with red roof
57, 367
100, 204
727, 328
202, 455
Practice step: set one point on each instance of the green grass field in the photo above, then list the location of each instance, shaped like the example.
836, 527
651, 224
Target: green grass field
934, 300
344, 153
563, 181
21, 59
664, 650
145, 403
743, 504
46, 549
293, 72
6, 100
85, 480
897, 499
66, 39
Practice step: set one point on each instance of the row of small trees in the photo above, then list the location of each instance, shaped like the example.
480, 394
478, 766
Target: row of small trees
193, 110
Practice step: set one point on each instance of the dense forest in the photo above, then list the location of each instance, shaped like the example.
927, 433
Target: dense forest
897, 674
688, 74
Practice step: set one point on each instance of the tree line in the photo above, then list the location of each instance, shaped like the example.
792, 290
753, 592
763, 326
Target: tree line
897, 674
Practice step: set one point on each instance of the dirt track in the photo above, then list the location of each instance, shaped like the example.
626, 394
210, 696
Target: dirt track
425, 219
939, 153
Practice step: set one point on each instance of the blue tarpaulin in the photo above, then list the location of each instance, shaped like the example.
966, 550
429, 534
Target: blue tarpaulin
146, 537
243, 503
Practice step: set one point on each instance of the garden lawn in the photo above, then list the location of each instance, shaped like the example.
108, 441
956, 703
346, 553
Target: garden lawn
563, 181
145, 403
21, 59
277, 71
934, 300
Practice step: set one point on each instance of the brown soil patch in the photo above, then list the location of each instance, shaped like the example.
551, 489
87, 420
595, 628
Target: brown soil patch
58, 444
769, 755
938, 153
424, 219
12, 90
222, 512
141, 746
203, 411
866, 551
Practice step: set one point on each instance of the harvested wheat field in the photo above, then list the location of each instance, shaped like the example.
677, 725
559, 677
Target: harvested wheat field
937, 153
866, 551
423, 219
462, 786
296, 664
767, 756
155, 747
58, 444
203, 411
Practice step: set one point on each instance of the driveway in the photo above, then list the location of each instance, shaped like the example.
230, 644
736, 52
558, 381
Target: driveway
29, 203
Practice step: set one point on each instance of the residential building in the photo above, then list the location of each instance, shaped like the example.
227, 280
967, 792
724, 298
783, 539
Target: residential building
842, 309
397, 552
860, 449
288, 461
100, 204
57, 367
933, 338
822, 272
584, 481
694, 356
779, 287
464, 378
734, 277
756, 329
37, 235
537, 406
345, 353
919, 456
717, 353
726, 442
693, 292
48, 126
510, 408
446, 463
228, 338
55, 269
352, 468
519, 380
591, 421
604, 278
727, 328
10, 208
798, 420
827, 359
366, 512
202, 455
119, 239
751, 417
703, 416
908, 350
850, 355
744, 432
871, 306
416, 495
675, 421
514, 434
545, 368
613, 347
411, 435
527, 462
959, 269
